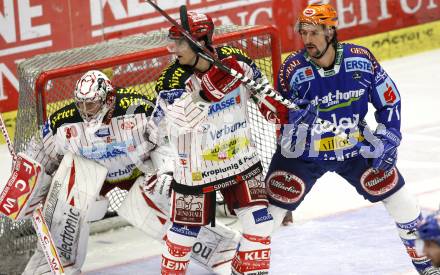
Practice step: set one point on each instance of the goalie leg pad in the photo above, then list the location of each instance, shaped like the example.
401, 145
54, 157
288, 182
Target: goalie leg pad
146, 205
253, 253
37, 265
406, 213
215, 247
179, 242
74, 190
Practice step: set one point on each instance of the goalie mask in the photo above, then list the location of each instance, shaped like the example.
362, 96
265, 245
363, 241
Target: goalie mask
91, 93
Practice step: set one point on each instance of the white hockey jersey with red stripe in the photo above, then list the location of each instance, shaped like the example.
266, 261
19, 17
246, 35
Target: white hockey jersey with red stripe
120, 145
212, 142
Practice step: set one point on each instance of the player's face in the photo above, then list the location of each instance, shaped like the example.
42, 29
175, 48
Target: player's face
183, 51
314, 39
431, 250
89, 108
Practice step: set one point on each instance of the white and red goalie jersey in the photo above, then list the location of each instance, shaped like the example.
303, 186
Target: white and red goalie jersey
212, 141
119, 143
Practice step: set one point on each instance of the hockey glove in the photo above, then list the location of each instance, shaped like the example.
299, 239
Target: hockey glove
391, 140
217, 83
267, 105
306, 115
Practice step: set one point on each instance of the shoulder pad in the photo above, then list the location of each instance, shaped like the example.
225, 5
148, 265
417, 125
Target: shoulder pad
67, 114
173, 77
129, 99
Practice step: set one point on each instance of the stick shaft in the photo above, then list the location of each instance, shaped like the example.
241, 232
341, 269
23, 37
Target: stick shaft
263, 89
46, 242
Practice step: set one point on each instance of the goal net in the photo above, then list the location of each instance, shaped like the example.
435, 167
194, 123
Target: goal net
47, 82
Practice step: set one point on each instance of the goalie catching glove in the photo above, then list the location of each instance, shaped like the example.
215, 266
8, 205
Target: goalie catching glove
217, 83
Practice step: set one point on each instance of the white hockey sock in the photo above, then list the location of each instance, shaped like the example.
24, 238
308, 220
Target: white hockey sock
278, 215
405, 211
253, 253
179, 242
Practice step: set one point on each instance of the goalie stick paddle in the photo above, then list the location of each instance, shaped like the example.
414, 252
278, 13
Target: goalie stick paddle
204, 53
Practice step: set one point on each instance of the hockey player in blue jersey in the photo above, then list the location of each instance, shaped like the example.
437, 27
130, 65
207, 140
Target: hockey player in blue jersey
333, 84
428, 242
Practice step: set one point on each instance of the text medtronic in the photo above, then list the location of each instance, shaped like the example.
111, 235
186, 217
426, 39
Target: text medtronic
227, 129
69, 234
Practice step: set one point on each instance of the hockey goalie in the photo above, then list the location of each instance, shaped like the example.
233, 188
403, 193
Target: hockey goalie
87, 148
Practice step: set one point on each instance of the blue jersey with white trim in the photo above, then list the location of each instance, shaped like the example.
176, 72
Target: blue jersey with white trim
341, 94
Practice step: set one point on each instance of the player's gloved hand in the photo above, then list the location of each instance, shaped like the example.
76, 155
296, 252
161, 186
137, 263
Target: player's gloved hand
306, 115
391, 140
267, 105
217, 83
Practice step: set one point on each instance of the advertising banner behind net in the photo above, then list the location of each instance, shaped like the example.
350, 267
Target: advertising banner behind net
31, 27
359, 18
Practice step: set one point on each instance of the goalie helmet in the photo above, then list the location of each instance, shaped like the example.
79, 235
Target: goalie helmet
200, 25
318, 14
91, 92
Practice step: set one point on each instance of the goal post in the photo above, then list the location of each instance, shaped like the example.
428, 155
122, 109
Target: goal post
46, 84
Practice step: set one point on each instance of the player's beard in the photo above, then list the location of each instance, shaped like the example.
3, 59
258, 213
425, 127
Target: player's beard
313, 50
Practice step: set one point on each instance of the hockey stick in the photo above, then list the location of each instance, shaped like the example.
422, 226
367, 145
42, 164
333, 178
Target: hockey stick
38, 221
46, 242
204, 53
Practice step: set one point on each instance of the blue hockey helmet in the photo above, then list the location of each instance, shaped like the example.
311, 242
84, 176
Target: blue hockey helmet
429, 228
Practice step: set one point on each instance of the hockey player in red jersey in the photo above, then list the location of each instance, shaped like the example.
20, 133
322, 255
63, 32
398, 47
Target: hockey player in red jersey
204, 111
91, 146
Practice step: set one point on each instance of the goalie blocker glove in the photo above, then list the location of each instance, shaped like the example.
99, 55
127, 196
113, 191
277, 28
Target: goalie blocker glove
217, 83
